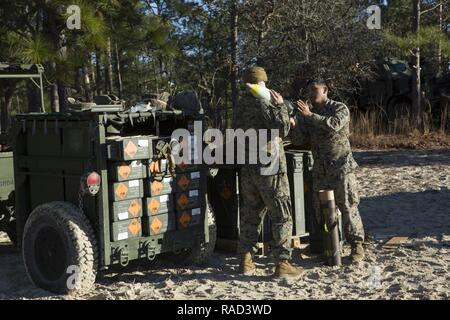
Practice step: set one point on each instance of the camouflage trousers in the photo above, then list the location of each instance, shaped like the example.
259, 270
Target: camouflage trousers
258, 193
346, 194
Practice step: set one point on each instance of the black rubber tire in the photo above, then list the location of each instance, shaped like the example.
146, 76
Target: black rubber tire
58, 235
199, 254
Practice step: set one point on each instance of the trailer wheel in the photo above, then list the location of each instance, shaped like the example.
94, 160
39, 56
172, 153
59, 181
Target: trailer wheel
200, 253
59, 248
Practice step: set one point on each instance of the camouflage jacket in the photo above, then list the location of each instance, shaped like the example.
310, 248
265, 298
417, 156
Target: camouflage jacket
253, 113
327, 131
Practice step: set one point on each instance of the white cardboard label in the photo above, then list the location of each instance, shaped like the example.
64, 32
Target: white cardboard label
196, 211
122, 215
143, 143
136, 164
195, 175
133, 183
193, 193
122, 236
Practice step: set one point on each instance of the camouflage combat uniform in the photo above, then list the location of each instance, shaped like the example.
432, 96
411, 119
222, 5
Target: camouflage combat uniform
327, 131
264, 191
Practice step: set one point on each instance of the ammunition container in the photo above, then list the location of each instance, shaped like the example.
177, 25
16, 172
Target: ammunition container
155, 187
189, 217
127, 170
158, 204
188, 199
127, 209
127, 190
158, 224
188, 180
130, 148
126, 229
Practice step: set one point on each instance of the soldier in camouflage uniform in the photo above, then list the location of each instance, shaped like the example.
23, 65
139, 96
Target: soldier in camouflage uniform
326, 127
260, 191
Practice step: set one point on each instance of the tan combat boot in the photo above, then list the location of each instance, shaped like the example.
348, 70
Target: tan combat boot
247, 267
285, 269
357, 254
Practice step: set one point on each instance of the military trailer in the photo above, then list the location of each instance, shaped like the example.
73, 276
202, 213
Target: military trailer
98, 188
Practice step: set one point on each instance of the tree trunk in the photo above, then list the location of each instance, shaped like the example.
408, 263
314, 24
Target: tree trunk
54, 94
5, 108
233, 47
34, 99
118, 71
63, 94
416, 87
98, 72
109, 72
439, 54
87, 85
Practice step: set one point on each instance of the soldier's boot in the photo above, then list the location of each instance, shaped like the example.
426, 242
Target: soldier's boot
285, 269
247, 267
357, 253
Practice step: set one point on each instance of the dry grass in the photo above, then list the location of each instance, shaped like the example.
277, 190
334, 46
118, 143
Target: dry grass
373, 130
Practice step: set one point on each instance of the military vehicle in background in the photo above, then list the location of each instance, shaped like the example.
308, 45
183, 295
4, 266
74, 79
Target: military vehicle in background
391, 88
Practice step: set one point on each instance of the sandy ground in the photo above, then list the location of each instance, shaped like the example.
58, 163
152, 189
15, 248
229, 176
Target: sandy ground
405, 193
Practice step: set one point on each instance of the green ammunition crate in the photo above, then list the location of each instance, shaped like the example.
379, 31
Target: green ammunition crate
155, 187
189, 217
188, 180
125, 190
127, 209
126, 229
127, 170
130, 148
158, 224
188, 199
158, 204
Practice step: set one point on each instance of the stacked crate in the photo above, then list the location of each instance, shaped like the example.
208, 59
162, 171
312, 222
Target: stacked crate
127, 158
147, 200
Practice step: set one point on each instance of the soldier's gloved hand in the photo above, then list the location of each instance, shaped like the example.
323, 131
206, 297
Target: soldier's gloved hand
276, 97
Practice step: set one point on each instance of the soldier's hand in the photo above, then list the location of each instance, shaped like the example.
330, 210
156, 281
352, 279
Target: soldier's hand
276, 97
303, 107
292, 122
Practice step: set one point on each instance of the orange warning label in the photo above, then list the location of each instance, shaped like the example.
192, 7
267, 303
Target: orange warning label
183, 201
124, 171
134, 226
156, 225
153, 206
184, 219
183, 182
134, 208
154, 167
121, 190
156, 187
131, 149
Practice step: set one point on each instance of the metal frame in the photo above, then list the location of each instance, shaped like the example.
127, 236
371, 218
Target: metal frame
5, 74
